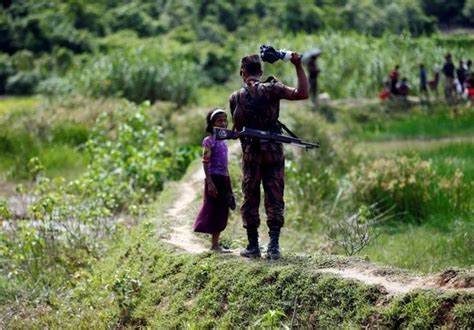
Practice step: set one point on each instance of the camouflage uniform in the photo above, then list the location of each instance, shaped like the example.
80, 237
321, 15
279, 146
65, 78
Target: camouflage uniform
258, 107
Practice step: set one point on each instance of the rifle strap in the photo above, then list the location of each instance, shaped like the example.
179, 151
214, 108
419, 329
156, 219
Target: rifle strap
287, 130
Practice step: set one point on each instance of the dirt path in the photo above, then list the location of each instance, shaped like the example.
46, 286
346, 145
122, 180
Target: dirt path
182, 234
183, 237
449, 280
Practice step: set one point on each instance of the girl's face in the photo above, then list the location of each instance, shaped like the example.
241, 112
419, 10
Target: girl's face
220, 120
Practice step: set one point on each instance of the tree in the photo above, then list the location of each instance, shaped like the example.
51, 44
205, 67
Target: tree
468, 11
447, 12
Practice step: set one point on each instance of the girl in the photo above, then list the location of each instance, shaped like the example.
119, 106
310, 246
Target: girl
218, 196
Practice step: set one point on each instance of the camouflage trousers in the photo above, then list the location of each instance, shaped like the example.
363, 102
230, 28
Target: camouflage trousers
264, 163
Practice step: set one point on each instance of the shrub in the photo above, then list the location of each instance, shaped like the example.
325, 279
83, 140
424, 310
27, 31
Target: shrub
65, 221
219, 66
22, 83
408, 184
70, 133
63, 59
6, 70
56, 86
141, 74
130, 16
133, 158
23, 60
457, 191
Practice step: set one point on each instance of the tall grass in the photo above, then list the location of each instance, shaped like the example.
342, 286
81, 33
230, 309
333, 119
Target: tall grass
456, 155
352, 65
145, 73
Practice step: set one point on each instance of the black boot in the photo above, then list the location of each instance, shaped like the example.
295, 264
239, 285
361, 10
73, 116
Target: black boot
273, 251
252, 250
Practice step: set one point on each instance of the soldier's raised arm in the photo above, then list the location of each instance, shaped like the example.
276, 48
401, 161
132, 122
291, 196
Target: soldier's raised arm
301, 91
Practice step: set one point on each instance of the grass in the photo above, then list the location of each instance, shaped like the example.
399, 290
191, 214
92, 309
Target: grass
445, 238
456, 155
142, 283
59, 158
430, 244
52, 130
428, 247
417, 124
22, 104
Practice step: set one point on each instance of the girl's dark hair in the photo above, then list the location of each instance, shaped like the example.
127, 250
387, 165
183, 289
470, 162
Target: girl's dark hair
209, 123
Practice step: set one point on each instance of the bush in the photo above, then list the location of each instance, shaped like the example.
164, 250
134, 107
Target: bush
23, 60
219, 65
70, 133
407, 184
457, 192
131, 17
65, 222
312, 176
56, 86
132, 159
142, 74
63, 59
22, 83
6, 70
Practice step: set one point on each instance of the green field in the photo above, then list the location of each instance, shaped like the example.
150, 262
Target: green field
102, 114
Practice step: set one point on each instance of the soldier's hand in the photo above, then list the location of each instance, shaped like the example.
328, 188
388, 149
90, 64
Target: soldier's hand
295, 59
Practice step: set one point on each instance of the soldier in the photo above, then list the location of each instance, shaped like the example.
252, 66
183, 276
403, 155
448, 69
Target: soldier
257, 105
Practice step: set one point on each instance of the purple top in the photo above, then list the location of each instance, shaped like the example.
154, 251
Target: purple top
215, 152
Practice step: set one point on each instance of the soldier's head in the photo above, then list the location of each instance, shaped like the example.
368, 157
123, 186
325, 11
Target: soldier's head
250, 66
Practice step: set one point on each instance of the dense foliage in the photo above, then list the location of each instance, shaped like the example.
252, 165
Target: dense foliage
41, 41
63, 224
40, 26
89, 59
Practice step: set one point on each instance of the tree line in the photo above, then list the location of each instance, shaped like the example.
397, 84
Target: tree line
41, 25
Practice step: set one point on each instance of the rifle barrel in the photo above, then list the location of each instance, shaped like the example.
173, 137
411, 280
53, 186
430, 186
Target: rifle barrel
225, 134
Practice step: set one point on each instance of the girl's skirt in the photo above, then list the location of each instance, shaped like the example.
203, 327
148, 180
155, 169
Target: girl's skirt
212, 217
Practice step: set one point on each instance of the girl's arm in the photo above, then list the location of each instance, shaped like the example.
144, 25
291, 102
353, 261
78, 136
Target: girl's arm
211, 187
206, 157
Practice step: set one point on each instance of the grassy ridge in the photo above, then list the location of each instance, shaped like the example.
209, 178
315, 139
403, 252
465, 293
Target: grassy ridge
142, 283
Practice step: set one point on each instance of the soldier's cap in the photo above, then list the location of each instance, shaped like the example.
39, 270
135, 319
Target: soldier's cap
250, 59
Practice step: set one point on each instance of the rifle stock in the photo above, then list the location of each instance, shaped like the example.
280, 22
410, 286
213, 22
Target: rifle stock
226, 134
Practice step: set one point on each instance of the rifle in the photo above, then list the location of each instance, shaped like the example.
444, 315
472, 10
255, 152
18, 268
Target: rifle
226, 134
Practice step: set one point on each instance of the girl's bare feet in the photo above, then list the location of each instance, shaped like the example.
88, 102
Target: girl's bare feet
220, 249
